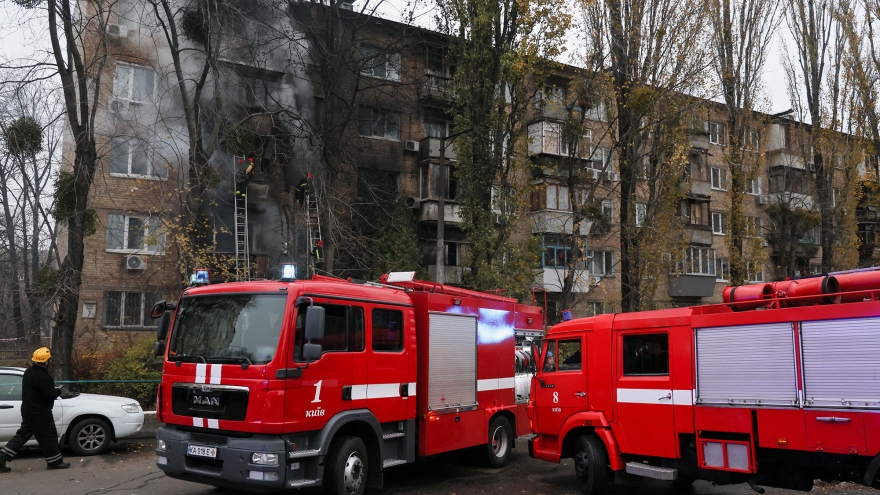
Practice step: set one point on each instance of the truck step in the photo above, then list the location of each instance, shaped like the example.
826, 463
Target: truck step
396, 434
302, 483
655, 472
393, 462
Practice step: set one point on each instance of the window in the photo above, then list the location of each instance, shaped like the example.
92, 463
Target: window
646, 354
10, 387
754, 227
127, 234
717, 133
133, 159
128, 309
754, 272
343, 329
719, 223
788, 180
503, 201
753, 141
134, 84
598, 308
129, 13
722, 270
453, 253
380, 63
557, 250
601, 263
596, 112
387, 330
699, 261
258, 91
601, 159
376, 122
754, 187
376, 185
563, 356
641, 213
436, 63
695, 212
430, 185
719, 178
608, 211
437, 128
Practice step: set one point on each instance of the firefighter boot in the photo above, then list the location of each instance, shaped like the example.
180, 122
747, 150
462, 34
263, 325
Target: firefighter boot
3, 468
58, 465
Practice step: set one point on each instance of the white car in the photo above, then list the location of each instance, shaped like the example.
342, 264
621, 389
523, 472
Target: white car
87, 423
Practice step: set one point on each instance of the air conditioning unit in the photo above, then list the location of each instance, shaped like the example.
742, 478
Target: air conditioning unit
118, 106
135, 262
413, 202
117, 30
593, 174
610, 175
411, 145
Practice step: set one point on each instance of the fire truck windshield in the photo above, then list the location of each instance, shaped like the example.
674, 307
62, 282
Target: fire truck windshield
229, 328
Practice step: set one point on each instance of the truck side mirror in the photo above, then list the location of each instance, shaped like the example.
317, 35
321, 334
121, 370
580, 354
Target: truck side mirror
312, 352
159, 349
162, 326
314, 323
161, 307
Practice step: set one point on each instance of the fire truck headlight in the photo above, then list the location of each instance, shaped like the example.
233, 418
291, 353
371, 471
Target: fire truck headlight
264, 459
160, 445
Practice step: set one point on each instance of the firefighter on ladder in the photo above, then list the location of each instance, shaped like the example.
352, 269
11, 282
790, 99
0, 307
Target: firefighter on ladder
242, 179
301, 194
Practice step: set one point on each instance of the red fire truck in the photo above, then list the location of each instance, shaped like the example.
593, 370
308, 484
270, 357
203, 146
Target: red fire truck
778, 386
270, 385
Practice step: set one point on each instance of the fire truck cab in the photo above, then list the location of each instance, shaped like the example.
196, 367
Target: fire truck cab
778, 387
271, 385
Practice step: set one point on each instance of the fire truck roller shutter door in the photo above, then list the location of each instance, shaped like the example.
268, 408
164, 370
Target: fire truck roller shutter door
749, 364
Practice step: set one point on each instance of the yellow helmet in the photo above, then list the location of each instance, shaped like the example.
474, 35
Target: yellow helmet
42, 355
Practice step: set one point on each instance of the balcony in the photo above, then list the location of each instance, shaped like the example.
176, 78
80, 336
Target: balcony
701, 187
691, 285
428, 212
556, 222
453, 274
436, 89
552, 280
429, 148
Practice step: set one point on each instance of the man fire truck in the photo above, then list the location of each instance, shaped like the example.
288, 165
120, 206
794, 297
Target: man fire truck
777, 387
269, 385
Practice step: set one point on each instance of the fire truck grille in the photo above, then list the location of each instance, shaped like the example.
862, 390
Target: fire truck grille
209, 403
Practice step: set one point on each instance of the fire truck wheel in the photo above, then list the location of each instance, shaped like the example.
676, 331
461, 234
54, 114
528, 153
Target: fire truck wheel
346, 471
498, 448
590, 463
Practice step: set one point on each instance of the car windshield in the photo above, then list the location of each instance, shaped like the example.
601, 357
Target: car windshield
229, 328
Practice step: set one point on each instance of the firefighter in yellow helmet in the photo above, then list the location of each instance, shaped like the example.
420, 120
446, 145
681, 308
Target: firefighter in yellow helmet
38, 394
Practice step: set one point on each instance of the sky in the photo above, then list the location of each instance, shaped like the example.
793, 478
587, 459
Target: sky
22, 35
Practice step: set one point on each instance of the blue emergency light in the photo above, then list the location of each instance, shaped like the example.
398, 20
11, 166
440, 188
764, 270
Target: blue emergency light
566, 315
288, 272
200, 276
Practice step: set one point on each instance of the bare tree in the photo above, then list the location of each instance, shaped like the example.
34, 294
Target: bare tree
815, 89
649, 52
741, 32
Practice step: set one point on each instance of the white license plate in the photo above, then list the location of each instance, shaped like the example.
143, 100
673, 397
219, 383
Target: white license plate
199, 451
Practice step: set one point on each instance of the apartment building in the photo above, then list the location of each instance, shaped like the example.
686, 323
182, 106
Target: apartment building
341, 113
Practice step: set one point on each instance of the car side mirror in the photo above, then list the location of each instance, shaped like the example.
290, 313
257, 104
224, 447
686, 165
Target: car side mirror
162, 326
312, 352
314, 327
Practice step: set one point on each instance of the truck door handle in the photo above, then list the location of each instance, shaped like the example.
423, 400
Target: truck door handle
580, 394
5, 406
666, 397
833, 419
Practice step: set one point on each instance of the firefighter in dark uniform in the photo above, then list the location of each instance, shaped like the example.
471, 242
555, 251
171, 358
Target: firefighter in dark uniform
37, 397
